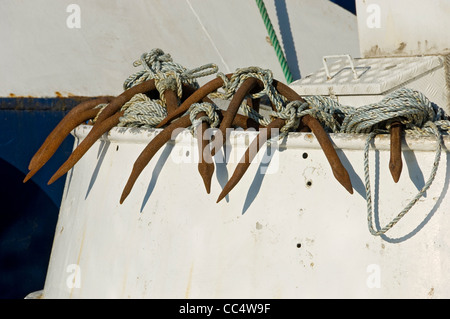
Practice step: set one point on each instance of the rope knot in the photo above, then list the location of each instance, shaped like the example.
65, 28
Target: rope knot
168, 81
211, 115
156, 62
231, 85
292, 114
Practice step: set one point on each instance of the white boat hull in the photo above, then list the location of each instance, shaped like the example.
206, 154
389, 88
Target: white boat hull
293, 232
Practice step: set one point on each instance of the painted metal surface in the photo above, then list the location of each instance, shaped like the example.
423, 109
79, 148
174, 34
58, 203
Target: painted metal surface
27, 224
54, 55
292, 232
47, 61
24, 124
376, 77
403, 27
29, 211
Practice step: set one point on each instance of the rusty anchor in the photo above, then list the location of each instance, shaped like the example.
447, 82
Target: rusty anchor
109, 117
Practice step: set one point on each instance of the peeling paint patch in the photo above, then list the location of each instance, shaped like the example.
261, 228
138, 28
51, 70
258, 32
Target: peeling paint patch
29, 103
401, 47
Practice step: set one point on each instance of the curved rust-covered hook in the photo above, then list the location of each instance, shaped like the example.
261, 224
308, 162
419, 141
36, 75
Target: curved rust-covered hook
205, 164
162, 138
232, 110
78, 115
244, 121
95, 133
150, 150
106, 120
68, 119
171, 101
339, 171
195, 97
395, 160
115, 105
244, 163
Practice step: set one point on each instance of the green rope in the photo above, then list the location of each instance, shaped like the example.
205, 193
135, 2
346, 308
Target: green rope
274, 40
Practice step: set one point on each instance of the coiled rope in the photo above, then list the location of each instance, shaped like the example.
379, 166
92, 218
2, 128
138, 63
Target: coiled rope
419, 116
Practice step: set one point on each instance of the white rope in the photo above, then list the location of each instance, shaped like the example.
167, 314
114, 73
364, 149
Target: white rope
405, 210
419, 116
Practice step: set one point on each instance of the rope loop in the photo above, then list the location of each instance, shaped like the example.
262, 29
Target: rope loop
437, 133
201, 71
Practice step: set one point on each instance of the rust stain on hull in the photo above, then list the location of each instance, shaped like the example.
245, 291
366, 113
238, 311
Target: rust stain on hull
189, 284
